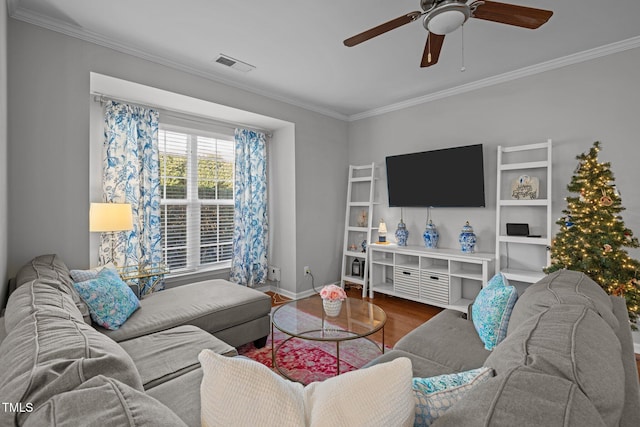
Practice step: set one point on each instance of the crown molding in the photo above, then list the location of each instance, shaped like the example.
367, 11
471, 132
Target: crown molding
56, 25
62, 27
553, 64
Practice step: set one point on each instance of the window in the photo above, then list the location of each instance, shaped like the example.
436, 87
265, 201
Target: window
196, 175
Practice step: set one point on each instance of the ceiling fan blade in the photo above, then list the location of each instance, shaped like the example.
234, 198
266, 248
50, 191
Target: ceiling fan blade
511, 14
432, 49
382, 28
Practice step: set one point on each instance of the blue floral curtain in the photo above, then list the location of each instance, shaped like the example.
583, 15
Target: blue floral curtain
249, 262
131, 175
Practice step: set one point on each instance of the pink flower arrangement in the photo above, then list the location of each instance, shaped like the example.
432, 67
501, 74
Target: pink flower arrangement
333, 292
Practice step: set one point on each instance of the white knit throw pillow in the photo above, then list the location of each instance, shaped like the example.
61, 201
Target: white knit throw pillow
241, 392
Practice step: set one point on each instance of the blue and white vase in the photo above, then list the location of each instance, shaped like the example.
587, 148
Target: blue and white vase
431, 236
402, 234
467, 239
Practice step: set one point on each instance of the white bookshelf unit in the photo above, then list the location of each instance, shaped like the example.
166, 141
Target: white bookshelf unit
444, 278
534, 159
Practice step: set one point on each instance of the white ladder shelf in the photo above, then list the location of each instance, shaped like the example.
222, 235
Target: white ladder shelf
360, 195
537, 159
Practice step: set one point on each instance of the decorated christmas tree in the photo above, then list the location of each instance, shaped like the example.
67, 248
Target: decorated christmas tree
592, 234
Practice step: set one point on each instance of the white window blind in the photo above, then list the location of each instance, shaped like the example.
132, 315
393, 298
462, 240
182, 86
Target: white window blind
196, 175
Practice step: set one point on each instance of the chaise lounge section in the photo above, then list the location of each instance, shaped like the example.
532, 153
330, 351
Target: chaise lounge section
58, 369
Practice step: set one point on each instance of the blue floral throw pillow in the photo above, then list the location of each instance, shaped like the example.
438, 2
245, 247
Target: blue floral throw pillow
434, 395
110, 300
492, 309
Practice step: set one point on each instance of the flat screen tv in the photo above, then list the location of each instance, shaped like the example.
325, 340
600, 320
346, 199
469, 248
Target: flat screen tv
450, 177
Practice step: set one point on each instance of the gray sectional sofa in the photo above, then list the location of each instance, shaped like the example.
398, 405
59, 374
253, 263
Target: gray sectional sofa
58, 370
567, 359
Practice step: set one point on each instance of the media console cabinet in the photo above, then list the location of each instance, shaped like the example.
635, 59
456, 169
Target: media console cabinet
444, 278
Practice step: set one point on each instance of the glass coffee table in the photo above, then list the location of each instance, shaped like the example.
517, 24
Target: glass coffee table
305, 319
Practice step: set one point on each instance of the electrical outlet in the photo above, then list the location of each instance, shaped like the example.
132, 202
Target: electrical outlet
273, 273
307, 270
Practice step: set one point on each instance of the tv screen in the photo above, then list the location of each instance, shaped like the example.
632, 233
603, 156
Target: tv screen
450, 177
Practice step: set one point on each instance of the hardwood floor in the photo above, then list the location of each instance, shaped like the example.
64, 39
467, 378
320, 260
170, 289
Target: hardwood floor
402, 315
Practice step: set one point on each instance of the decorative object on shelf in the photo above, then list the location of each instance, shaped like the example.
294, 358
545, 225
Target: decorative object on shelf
363, 245
402, 234
355, 267
467, 239
353, 247
362, 218
431, 234
332, 297
525, 188
382, 231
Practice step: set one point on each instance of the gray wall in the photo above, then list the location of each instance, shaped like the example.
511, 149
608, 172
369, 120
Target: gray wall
574, 106
3, 151
49, 150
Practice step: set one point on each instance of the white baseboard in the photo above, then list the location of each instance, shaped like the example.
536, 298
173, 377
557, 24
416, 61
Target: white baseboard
291, 295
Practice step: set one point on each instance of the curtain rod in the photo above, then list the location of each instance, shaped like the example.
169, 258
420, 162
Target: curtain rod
103, 99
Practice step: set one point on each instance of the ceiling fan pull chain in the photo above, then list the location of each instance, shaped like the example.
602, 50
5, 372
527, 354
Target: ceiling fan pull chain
429, 48
462, 69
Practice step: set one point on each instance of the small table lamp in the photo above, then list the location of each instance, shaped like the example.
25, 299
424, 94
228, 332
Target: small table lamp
110, 218
382, 231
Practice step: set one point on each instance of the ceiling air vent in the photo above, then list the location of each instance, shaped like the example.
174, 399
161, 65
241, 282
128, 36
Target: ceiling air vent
234, 63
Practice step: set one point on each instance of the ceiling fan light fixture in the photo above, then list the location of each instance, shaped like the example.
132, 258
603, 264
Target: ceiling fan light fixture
446, 17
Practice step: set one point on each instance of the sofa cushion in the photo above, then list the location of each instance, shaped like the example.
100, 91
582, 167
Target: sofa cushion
572, 342
78, 275
525, 398
45, 355
420, 366
238, 391
51, 267
44, 266
631, 410
171, 353
40, 294
448, 340
562, 287
182, 395
492, 310
212, 305
110, 300
435, 395
103, 402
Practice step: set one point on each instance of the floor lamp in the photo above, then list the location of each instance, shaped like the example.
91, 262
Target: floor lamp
110, 218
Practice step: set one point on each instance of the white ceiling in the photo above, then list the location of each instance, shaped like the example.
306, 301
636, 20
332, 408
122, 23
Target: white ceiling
297, 47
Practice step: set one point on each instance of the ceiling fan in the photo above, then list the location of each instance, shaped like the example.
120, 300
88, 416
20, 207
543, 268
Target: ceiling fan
444, 16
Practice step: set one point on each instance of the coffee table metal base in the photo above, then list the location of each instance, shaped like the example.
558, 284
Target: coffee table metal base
275, 349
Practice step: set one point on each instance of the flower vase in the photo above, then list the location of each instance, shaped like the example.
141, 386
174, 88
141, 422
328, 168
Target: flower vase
332, 307
467, 239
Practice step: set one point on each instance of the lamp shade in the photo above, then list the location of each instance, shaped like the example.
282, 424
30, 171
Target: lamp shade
382, 228
105, 217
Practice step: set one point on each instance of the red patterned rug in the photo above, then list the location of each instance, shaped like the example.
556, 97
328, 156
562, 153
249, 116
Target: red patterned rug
309, 361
